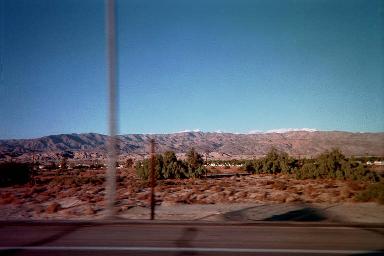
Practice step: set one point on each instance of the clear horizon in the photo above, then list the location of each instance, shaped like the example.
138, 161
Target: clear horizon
235, 66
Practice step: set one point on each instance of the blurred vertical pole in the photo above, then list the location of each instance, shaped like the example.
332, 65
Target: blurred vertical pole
153, 181
112, 77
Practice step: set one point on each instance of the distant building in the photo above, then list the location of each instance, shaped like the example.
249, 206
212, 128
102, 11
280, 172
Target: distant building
375, 163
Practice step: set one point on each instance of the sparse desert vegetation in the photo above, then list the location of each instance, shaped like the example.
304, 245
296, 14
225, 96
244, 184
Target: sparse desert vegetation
374, 192
275, 178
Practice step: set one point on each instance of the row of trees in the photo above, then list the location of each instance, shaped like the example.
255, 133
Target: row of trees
167, 166
331, 164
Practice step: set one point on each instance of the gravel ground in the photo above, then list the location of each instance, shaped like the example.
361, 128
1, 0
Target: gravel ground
81, 195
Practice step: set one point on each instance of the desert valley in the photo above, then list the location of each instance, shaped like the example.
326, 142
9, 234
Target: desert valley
236, 177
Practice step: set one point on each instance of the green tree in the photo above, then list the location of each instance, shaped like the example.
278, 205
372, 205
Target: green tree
173, 168
274, 162
143, 168
167, 166
333, 164
194, 159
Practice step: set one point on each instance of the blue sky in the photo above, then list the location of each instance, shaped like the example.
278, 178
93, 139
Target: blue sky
212, 65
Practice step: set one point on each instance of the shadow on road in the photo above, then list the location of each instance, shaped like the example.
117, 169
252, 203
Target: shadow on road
305, 214
65, 231
381, 252
185, 240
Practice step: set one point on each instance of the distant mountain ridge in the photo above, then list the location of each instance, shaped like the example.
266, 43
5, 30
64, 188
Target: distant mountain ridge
305, 143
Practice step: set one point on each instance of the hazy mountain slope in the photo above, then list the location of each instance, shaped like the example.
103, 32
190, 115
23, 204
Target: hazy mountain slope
294, 143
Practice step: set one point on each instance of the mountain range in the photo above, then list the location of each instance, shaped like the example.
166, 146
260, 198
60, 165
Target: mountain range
218, 144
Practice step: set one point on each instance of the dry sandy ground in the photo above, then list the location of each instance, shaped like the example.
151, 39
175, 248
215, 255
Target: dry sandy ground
80, 195
245, 212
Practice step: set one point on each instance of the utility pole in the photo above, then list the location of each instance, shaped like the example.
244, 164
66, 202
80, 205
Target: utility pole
153, 179
112, 122
207, 151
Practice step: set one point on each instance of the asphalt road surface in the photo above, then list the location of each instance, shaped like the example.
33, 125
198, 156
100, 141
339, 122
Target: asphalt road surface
160, 238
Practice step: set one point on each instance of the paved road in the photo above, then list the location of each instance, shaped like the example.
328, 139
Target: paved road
145, 238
